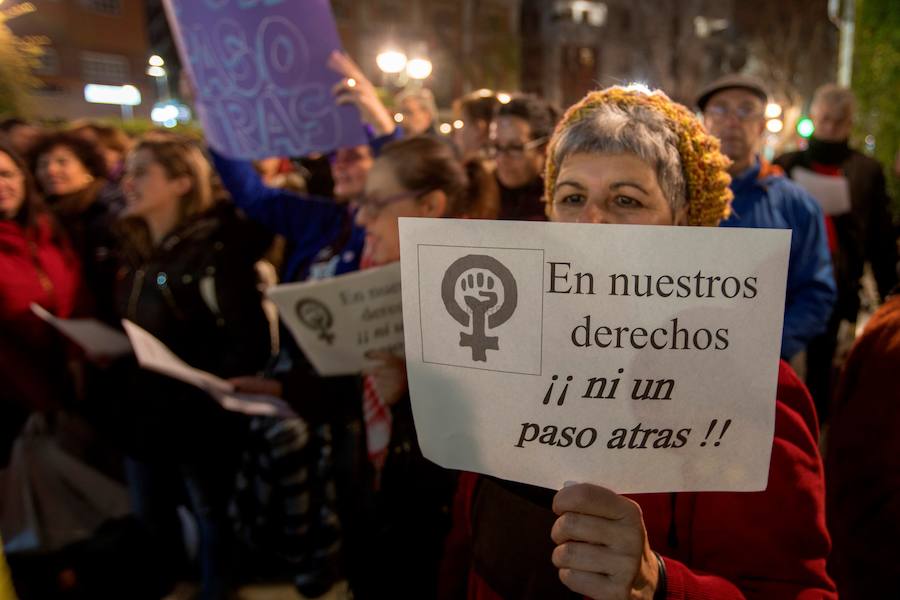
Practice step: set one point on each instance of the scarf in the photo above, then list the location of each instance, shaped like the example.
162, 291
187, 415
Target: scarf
828, 153
376, 414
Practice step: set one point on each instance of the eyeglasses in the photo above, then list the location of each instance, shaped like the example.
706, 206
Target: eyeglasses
514, 150
741, 113
373, 206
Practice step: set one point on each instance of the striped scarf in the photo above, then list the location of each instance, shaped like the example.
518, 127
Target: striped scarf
376, 413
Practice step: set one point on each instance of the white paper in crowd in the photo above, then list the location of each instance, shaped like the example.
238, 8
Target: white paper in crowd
536, 354
152, 354
830, 191
336, 321
97, 339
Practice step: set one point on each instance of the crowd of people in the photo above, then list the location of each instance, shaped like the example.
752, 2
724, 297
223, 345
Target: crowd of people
181, 240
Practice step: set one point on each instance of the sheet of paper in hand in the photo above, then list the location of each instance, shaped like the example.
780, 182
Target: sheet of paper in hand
640, 358
260, 76
153, 355
337, 321
97, 339
831, 192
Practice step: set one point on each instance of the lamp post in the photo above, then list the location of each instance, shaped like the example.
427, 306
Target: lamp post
156, 69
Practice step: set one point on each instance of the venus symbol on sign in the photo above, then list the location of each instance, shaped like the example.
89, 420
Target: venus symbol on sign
479, 290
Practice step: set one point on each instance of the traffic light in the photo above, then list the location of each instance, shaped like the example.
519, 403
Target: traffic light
805, 127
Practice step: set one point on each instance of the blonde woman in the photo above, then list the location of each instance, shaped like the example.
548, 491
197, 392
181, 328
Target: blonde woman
189, 279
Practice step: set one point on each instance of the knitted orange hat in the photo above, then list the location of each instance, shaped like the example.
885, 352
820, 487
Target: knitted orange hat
704, 166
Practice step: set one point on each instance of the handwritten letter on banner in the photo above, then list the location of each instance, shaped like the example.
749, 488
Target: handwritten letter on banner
337, 321
640, 358
259, 70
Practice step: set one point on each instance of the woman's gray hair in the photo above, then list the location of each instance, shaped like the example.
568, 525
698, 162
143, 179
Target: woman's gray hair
636, 130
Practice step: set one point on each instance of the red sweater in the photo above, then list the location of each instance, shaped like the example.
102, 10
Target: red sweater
767, 545
863, 461
34, 267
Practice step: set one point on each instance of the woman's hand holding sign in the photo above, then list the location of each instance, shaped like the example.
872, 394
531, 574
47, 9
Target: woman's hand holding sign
602, 549
356, 89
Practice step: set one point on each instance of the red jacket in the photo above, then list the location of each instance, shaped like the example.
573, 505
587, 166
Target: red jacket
34, 267
767, 545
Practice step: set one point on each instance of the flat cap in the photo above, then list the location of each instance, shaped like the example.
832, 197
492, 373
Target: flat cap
727, 82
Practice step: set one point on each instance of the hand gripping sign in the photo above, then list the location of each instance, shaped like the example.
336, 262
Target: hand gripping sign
641, 358
489, 294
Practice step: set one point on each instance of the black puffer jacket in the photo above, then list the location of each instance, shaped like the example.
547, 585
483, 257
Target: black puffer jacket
198, 292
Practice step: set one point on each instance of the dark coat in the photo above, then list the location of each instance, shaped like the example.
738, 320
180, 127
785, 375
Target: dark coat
198, 293
865, 233
88, 218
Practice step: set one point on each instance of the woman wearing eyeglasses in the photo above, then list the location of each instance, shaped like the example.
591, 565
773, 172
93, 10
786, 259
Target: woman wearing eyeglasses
418, 177
518, 145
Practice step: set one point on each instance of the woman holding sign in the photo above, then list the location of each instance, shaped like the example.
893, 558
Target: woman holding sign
189, 279
631, 156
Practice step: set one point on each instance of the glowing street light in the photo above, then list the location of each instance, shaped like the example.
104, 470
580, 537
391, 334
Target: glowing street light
155, 71
504, 98
458, 124
398, 117
773, 110
446, 128
418, 68
774, 125
156, 61
391, 61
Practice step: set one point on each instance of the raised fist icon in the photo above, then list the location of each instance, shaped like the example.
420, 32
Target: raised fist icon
479, 281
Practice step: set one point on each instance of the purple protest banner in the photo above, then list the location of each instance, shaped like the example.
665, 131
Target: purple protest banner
260, 75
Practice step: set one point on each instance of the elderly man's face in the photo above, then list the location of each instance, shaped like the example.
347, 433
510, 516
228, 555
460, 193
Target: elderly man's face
737, 118
416, 119
833, 123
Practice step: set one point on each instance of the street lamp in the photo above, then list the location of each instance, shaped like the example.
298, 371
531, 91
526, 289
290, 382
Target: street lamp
391, 61
418, 68
158, 72
773, 110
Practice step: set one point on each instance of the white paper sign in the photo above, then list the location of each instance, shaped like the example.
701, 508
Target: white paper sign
152, 354
831, 192
337, 321
97, 339
640, 358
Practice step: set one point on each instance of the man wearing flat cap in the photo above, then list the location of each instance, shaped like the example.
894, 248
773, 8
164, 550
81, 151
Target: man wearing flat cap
734, 111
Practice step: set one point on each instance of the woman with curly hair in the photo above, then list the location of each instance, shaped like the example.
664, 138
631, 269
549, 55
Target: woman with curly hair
632, 156
71, 173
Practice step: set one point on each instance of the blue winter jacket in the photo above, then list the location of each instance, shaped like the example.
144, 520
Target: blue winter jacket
310, 224
774, 202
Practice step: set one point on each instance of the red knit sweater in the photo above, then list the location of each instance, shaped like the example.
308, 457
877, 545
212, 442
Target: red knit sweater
765, 545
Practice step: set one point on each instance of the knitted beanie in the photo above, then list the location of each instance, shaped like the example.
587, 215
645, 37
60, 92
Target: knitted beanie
704, 166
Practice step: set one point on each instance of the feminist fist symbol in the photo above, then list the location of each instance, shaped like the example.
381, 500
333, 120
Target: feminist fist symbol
481, 300
317, 317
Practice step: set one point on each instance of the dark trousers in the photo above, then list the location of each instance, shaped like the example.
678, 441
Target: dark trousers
157, 490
